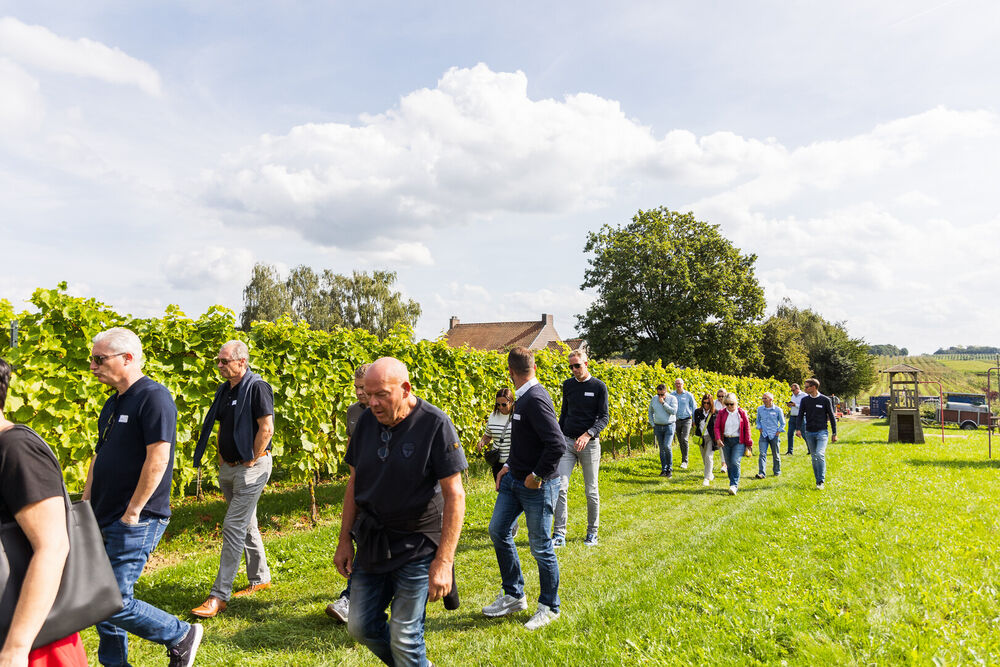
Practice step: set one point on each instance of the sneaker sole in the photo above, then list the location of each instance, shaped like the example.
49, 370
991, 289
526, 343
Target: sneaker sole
505, 612
335, 615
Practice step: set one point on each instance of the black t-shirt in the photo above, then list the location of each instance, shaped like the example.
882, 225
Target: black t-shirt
129, 423
28, 473
422, 449
261, 399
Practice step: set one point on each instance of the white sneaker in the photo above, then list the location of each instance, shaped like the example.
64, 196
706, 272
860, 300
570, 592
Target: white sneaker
819, 487
706, 482
339, 609
505, 604
543, 616
711, 477
684, 465
732, 490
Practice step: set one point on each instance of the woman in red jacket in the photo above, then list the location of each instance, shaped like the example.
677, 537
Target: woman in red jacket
732, 429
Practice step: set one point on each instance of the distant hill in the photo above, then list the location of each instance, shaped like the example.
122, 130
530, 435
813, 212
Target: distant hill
955, 375
963, 349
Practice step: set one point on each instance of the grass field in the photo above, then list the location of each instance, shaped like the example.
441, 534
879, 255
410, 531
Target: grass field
955, 375
895, 562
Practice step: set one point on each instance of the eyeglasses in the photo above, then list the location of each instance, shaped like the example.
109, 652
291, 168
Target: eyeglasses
99, 359
383, 451
224, 362
730, 403
502, 404
575, 366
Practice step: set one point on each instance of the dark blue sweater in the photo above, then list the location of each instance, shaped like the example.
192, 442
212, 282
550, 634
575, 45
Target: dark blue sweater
584, 407
536, 443
816, 412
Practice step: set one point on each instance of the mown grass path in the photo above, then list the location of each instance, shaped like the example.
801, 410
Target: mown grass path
896, 562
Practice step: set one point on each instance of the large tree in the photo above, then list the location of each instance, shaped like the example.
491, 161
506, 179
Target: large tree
673, 288
843, 365
328, 300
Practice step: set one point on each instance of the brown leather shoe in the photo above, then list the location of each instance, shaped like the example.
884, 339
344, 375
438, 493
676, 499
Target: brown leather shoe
209, 608
250, 590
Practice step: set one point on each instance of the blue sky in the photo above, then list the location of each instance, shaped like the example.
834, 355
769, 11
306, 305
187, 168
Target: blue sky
151, 152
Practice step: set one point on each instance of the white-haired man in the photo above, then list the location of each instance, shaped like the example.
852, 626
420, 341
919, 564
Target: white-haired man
244, 408
770, 423
583, 416
128, 485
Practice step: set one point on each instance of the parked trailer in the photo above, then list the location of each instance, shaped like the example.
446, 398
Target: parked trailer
967, 417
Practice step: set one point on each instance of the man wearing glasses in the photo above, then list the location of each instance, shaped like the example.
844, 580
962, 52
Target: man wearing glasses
404, 505
583, 416
244, 408
128, 485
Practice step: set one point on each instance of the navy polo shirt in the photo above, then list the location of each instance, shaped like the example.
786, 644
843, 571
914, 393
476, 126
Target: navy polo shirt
129, 423
420, 450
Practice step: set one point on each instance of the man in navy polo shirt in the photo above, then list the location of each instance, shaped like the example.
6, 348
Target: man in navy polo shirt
404, 505
244, 408
128, 485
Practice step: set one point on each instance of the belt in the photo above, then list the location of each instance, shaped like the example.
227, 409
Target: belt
239, 462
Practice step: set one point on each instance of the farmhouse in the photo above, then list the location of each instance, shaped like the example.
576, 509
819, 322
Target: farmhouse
534, 335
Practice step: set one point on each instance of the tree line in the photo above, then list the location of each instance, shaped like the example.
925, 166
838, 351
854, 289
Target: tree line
672, 287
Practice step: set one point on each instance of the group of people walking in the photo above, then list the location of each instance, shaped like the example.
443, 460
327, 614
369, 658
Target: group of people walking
721, 424
404, 503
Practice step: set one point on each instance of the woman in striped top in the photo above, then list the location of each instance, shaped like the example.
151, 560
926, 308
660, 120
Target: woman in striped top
498, 428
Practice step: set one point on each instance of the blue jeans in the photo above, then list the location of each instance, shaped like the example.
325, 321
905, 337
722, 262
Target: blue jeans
732, 452
664, 435
764, 442
816, 443
401, 640
538, 506
793, 424
128, 549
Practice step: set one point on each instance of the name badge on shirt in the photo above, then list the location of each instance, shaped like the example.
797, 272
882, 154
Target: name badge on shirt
517, 417
122, 419
234, 402
588, 393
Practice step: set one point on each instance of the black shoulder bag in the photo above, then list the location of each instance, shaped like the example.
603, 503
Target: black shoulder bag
88, 591
492, 455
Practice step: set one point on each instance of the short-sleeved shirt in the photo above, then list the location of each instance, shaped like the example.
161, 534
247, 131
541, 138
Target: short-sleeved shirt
422, 449
28, 473
129, 422
261, 399
354, 412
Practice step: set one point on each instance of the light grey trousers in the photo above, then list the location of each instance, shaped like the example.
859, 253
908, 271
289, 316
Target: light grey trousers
242, 487
590, 462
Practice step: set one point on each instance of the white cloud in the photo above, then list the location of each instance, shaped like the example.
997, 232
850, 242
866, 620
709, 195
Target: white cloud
37, 46
21, 105
474, 146
208, 268
402, 254
916, 199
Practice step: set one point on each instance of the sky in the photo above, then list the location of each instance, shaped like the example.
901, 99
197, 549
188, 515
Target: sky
152, 152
